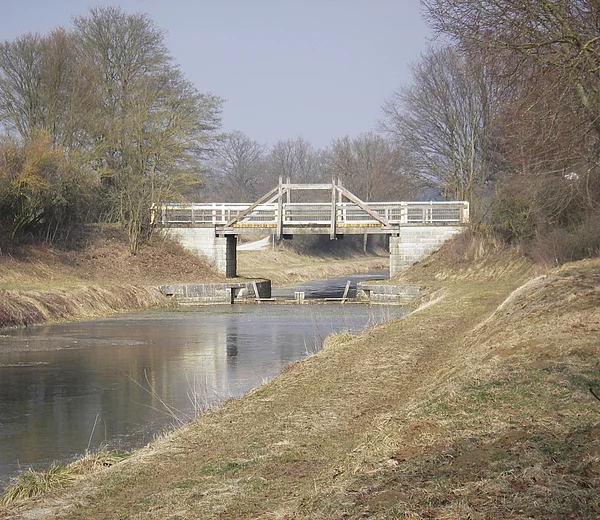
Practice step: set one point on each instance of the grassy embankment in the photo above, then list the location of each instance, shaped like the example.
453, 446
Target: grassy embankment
43, 284
477, 406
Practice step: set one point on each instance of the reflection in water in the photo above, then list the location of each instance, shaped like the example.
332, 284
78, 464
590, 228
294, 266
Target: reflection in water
65, 388
232, 339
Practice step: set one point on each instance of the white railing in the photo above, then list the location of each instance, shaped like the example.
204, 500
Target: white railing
301, 214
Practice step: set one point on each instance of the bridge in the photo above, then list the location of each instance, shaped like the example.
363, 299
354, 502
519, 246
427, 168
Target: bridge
211, 230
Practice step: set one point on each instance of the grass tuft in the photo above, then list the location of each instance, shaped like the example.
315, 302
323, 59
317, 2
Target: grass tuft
103, 458
33, 483
36, 483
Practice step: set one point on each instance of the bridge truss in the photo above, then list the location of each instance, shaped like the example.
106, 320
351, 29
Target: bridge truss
275, 213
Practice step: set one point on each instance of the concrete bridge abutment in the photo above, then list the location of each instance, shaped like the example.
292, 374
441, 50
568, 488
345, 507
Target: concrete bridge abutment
409, 245
218, 251
414, 243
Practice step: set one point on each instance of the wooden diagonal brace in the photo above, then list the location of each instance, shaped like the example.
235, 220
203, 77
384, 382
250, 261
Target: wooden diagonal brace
241, 215
353, 198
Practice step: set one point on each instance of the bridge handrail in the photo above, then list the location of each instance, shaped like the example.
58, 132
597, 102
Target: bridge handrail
404, 212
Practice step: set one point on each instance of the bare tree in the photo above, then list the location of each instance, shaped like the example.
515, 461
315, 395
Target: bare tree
239, 167
444, 121
550, 128
560, 33
151, 125
371, 167
41, 88
21, 106
295, 159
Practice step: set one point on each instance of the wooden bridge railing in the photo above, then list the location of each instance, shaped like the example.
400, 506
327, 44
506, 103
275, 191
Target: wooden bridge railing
301, 214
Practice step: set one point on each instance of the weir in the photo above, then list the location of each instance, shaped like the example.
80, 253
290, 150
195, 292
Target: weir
415, 229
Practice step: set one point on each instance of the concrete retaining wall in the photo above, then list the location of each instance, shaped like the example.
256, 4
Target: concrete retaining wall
221, 293
376, 293
416, 242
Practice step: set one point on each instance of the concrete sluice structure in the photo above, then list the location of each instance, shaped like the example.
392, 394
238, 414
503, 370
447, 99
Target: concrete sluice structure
217, 293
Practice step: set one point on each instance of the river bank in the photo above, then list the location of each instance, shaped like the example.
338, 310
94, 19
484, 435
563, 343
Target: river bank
45, 285
475, 406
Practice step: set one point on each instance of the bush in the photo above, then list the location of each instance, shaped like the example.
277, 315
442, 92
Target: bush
512, 214
556, 218
561, 245
43, 194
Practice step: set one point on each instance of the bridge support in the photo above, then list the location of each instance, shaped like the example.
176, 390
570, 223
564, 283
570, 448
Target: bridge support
219, 251
414, 243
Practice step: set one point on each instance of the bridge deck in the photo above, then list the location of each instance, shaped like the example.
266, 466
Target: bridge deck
313, 217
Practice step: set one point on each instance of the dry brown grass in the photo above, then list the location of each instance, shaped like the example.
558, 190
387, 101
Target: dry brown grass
103, 260
286, 267
44, 284
19, 308
32, 483
475, 407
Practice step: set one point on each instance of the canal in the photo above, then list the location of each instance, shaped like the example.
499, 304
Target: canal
119, 381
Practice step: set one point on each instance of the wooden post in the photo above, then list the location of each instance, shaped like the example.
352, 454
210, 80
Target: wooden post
243, 213
280, 210
345, 297
353, 198
332, 231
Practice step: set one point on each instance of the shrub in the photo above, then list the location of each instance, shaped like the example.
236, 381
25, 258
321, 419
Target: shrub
561, 245
555, 217
35, 483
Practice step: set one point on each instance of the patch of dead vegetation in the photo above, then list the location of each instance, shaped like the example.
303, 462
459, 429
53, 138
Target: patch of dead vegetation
478, 406
44, 284
285, 267
103, 259
471, 256
22, 308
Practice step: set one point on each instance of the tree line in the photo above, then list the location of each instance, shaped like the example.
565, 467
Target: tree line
503, 111
369, 165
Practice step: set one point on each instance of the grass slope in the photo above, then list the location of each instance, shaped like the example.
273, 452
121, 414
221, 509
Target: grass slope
102, 277
476, 406
287, 267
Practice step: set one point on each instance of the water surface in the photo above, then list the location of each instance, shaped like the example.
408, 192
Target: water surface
67, 388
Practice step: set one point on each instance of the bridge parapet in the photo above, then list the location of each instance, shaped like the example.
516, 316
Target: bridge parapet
347, 214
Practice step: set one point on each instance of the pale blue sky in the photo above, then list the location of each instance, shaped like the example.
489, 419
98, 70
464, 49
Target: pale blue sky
320, 69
